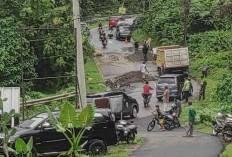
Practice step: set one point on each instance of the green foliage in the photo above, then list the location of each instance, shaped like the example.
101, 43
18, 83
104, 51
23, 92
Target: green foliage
227, 152
224, 90
210, 43
22, 149
68, 121
8, 132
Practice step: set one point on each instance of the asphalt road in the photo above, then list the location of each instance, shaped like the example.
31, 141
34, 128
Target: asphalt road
158, 144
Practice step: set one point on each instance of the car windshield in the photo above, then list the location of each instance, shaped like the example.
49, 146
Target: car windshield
33, 122
167, 80
113, 18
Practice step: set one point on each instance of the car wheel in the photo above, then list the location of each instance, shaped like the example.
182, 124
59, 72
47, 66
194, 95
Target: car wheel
97, 147
134, 112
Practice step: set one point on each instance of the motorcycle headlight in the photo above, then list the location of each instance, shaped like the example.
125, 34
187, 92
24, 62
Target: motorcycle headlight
125, 133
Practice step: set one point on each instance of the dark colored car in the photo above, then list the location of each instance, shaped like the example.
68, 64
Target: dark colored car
123, 32
117, 101
100, 134
175, 83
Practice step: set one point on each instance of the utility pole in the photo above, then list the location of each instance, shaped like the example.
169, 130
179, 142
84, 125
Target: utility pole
79, 53
186, 14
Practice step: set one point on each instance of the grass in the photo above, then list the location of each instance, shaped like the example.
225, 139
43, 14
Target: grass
122, 149
94, 80
227, 152
95, 25
206, 109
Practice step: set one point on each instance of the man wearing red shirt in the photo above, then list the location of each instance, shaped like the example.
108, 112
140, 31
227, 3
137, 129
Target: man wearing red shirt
146, 94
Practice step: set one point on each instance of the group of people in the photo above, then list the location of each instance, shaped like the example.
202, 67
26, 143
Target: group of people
146, 48
102, 34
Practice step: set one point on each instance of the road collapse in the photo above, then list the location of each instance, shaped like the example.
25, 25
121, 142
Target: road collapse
126, 80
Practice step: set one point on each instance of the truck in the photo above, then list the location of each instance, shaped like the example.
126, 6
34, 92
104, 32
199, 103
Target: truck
172, 60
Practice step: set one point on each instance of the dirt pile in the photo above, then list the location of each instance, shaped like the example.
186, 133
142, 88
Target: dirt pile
127, 79
138, 57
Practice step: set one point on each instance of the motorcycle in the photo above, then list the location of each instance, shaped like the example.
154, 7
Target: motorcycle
170, 118
110, 35
219, 123
104, 43
227, 130
146, 99
126, 131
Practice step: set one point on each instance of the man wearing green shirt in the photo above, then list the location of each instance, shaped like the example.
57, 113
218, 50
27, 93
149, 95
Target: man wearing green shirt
186, 89
191, 118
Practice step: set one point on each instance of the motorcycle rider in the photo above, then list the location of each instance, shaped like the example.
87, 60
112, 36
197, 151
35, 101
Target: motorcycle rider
104, 40
146, 92
160, 117
100, 25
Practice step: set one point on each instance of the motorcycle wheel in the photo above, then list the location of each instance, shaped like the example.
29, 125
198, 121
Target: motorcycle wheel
151, 126
167, 126
131, 138
225, 135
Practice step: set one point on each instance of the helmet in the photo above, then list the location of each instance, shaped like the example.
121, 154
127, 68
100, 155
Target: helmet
219, 115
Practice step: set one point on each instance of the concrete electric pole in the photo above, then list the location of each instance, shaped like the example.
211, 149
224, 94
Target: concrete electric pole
79, 53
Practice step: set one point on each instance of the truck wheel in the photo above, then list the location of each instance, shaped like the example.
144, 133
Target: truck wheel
97, 147
134, 112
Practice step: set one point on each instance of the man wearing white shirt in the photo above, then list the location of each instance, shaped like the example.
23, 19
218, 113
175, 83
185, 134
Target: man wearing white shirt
143, 69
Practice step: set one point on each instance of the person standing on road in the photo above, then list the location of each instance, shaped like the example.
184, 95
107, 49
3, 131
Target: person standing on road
186, 89
136, 44
154, 50
203, 87
191, 88
205, 71
143, 69
178, 107
191, 118
166, 98
145, 49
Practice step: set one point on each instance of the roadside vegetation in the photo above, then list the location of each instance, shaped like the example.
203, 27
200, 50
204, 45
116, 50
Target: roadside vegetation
209, 41
227, 152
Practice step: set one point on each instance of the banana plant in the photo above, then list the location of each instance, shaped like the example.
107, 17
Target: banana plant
69, 120
8, 132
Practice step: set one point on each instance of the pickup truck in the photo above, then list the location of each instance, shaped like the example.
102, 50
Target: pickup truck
172, 60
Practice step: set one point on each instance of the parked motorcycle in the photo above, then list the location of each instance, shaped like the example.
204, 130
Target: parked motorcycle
126, 131
227, 130
219, 123
170, 118
110, 35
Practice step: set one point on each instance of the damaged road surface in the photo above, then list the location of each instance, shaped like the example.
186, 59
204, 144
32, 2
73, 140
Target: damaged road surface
120, 65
